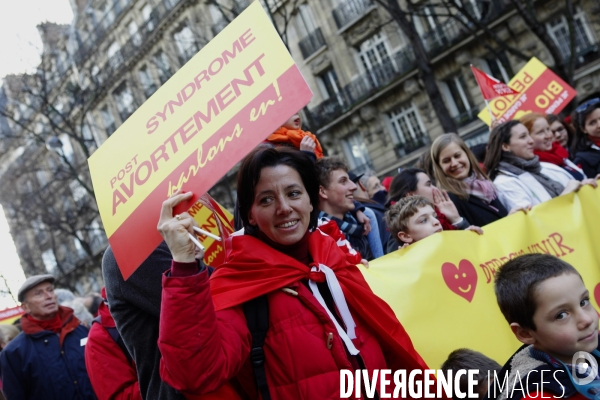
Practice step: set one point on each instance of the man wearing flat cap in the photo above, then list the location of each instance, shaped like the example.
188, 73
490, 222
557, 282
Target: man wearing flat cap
46, 360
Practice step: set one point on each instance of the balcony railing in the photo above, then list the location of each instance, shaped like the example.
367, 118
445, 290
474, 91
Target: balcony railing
466, 117
456, 28
365, 85
311, 43
136, 41
444, 35
89, 45
349, 11
587, 55
412, 144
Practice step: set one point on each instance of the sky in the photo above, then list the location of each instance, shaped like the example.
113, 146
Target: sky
20, 42
20, 46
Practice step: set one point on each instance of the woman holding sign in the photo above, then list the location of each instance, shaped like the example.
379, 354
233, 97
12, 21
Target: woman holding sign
291, 309
522, 180
457, 171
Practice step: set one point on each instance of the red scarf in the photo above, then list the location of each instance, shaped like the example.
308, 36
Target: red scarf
555, 156
253, 268
594, 139
63, 323
285, 135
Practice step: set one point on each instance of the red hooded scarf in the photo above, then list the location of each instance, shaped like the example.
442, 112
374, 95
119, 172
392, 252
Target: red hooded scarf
253, 268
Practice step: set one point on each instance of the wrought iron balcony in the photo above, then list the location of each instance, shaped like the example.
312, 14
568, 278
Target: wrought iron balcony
311, 43
444, 35
587, 54
365, 85
350, 10
466, 117
411, 144
137, 40
101, 30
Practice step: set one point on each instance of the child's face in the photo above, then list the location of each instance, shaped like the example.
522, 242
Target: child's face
564, 318
424, 223
294, 123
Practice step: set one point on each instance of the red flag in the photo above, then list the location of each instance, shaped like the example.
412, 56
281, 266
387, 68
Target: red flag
490, 86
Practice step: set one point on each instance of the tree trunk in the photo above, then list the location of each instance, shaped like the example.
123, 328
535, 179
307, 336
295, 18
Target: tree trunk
423, 63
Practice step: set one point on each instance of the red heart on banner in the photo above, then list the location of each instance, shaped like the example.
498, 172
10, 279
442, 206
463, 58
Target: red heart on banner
462, 280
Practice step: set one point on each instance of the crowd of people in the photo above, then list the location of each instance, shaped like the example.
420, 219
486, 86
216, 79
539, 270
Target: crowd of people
290, 308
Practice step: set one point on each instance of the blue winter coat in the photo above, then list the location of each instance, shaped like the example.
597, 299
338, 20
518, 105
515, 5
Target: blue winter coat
35, 367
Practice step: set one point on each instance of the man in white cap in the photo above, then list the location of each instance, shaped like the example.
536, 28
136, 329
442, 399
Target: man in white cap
46, 360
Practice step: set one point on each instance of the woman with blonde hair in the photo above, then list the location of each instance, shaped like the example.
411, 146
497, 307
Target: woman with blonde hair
457, 171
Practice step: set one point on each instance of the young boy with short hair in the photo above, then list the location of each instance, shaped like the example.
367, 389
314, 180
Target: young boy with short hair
412, 219
548, 308
465, 359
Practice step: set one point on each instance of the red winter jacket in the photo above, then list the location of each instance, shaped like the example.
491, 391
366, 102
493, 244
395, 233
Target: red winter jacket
111, 373
203, 349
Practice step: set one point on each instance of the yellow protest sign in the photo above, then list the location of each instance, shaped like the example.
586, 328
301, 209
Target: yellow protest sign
230, 96
540, 90
442, 288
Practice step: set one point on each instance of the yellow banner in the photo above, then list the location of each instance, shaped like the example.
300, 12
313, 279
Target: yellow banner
442, 288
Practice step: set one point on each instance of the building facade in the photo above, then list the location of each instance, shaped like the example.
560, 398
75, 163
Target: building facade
369, 105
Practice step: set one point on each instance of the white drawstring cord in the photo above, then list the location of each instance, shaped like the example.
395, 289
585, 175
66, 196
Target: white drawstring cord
340, 302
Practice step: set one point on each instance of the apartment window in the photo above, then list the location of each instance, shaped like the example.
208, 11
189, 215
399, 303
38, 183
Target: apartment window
162, 64
493, 67
134, 34
88, 135
78, 191
356, 152
42, 177
39, 230
81, 253
114, 55
147, 15
107, 120
305, 21
66, 148
108, 15
97, 237
124, 99
408, 133
374, 56
186, 45
559, 31
49, 260
329, 86
454, 91
147, 82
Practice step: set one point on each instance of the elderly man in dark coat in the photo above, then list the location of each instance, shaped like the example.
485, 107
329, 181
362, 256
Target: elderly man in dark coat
46, 360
